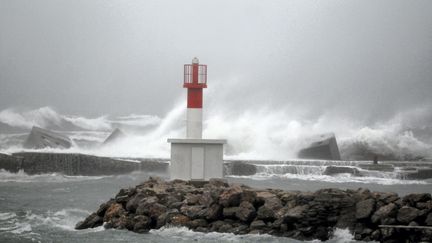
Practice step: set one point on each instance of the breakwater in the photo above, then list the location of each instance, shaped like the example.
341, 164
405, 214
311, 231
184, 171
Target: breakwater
215, 206
77, 164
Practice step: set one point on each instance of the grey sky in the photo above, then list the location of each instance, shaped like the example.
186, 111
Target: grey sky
361, 58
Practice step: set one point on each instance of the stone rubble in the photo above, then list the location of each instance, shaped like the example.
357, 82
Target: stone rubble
216, 206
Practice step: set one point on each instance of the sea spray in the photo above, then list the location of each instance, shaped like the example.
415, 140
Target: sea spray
259, 133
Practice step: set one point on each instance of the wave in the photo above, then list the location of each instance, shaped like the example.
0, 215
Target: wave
22, 177
47, 117
184, 234
28, 225
338, 178
262, 133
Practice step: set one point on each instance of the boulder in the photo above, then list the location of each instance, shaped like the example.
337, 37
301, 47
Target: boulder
407, 214
384, 212
322, 147
91, 221
231, 196
40, 138
412, 199
428, 220
141, 224
246, 211
365, 208
296, 213
240, 209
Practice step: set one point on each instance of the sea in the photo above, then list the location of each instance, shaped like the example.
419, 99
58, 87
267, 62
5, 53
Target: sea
46, 207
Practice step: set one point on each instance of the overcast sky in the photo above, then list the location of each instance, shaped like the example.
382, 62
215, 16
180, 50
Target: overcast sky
362, 58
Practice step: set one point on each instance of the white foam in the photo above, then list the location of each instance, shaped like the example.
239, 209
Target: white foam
342, 236
22, 177
7, 216
337, 178
183, 233
258, 133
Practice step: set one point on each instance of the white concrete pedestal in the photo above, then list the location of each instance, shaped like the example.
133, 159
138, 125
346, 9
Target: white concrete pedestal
196, 159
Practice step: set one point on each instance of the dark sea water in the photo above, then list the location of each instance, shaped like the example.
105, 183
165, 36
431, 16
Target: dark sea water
45, 208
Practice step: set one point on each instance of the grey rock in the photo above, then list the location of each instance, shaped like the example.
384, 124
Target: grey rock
296, 213
412, 199
365, 208
386, 211
257, 224
231, 196
407, 214
142, 224
428, 220
230, 212
246, 211
91, 221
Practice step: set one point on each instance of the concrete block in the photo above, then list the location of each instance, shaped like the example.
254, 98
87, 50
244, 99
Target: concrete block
41, 138
322, 147
196, 159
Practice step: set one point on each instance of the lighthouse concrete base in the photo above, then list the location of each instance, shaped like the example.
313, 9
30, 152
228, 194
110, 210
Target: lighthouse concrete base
196, 159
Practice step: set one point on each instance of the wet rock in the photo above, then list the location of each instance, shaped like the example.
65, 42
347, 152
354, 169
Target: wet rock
240, 209
213, 212
296, 213
412, 199
387, 211
196, 223
230, 212
141, 224
407, 214
231, 196
428, 220
192, 211
257, 224
91, 221
246, 211
115, 210
178, 219
365, 208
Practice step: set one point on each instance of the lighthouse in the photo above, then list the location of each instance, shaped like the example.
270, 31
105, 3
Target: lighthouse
195, 80
195, 158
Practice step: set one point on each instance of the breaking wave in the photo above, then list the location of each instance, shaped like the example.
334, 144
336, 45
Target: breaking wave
47, 117
262, 133
183, 234
22, 177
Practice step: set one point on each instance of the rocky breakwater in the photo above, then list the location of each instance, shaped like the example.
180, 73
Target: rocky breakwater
216, 206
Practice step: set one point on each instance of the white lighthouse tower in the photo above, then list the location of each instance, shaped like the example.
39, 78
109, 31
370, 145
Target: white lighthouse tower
195, 158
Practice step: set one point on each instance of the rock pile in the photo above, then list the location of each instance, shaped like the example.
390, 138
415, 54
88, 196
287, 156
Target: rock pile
216, 206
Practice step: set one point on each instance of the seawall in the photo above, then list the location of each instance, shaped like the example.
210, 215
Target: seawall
76, 164
215, 206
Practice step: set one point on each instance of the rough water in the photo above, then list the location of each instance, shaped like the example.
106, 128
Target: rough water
45, 208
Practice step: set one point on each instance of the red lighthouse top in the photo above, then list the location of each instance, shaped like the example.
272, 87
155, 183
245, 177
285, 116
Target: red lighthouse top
195, 75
